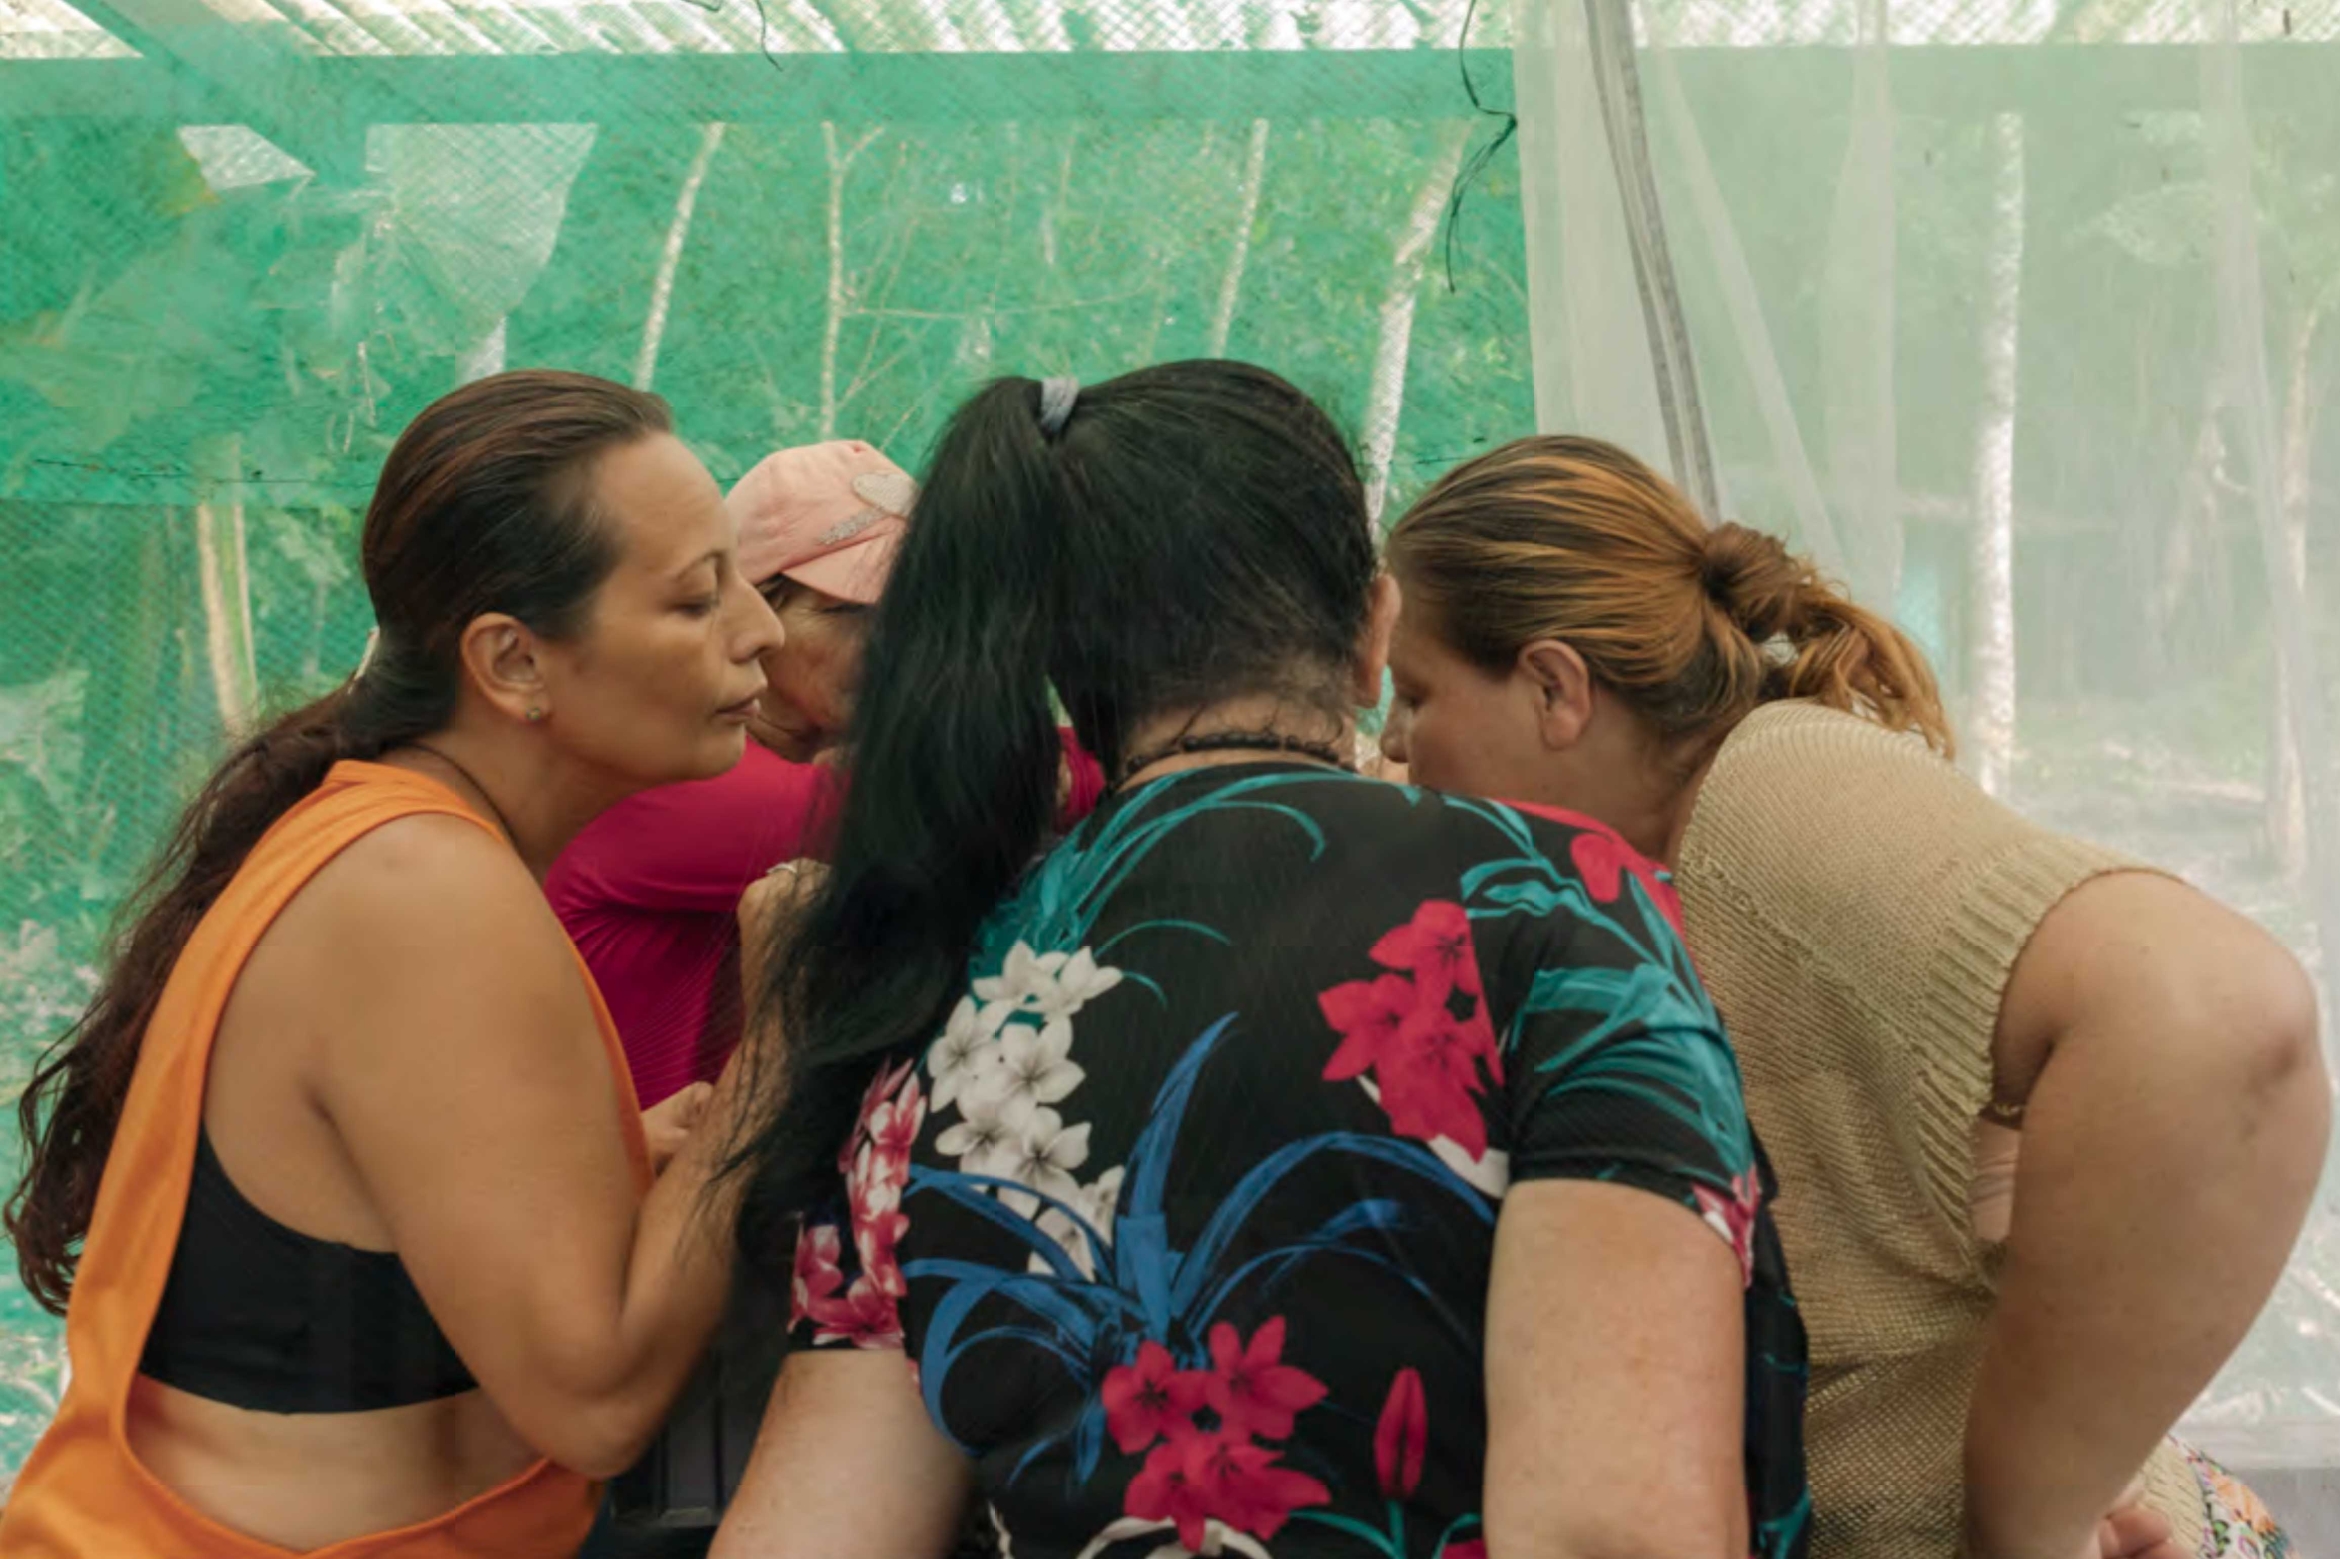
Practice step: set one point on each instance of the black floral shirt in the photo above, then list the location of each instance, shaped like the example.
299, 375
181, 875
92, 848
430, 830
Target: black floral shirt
1184, 1220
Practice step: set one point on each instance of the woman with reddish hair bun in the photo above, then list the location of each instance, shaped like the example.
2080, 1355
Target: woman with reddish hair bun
2046, 1121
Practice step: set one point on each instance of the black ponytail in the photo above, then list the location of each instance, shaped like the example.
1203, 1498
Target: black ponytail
1191, 533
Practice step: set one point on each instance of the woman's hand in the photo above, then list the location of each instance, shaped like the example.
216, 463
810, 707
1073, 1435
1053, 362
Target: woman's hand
668, 1124
2130, 1530
2135, 1531
781, 893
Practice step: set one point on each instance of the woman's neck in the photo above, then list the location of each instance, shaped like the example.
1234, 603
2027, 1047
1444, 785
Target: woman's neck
1268, 719
515, 782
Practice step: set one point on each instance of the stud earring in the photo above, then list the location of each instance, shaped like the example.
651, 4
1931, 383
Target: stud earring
535, 715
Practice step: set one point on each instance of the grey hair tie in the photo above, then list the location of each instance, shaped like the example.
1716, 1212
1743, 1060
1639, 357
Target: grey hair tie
1057, 394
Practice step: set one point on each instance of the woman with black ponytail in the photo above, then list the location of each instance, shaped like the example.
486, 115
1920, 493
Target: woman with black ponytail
1284, 1156
339, 1182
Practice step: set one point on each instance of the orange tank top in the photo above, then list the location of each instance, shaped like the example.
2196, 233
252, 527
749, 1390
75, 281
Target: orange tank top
82, 1494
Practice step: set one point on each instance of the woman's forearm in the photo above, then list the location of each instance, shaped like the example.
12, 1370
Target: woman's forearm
677, 1281
2170, 1147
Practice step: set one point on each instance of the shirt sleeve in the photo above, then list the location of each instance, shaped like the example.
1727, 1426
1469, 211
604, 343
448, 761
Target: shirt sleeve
1615, 1061
832, 1302
1859, 906
697, 847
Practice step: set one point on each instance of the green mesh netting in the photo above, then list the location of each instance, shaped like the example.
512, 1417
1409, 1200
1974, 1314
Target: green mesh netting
235, 265
2014, 311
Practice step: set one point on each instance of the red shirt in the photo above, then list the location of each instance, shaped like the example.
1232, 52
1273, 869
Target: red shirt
650, 893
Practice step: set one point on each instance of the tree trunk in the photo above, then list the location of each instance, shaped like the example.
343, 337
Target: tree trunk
485, 358
840, 294
225, 579
1991, 643
2193, 523
1386, 395
678, 232
1231, 283
2286, 789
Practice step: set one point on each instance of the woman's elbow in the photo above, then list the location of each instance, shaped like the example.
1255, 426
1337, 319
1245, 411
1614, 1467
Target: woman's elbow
2280, 1061
600, 1440
2256, 1081
588, 1424
2284, 1044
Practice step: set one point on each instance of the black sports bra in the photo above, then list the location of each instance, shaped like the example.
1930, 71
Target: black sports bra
260, 1316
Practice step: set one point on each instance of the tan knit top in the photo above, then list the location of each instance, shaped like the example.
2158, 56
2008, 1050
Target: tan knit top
1855, 906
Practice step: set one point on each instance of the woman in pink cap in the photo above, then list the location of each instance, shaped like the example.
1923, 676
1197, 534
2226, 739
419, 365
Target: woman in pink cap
650, 891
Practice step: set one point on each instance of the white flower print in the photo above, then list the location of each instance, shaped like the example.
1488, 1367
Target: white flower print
1023, 976
1095, 1204
1043, 1154
984, 1136
1055, 985
1003, 1059
1034, 1063
1079, 981
954, 1059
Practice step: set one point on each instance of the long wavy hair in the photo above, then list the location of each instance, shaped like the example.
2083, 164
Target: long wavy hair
483, 506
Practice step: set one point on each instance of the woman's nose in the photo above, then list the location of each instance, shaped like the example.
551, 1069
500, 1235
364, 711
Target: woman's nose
1393, 738
763, 633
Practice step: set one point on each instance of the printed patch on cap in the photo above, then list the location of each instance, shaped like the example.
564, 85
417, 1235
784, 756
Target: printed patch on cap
892, 491
847, 529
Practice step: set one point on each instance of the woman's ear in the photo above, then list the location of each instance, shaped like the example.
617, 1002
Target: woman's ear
1372, 655
1562, 686
501, 656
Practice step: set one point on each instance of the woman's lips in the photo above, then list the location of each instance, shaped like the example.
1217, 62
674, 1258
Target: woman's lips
742, 712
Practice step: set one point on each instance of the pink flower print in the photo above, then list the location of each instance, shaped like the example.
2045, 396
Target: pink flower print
1402, 1436
1244, 1487
1430, 1077
877, 1236
1476, 1548
891, 1124
1150, 1398
1603, 860
1249, 1386
1166, 1489
817, 1273
1367, 1015
1733, 1217
1435, 947
881, 1087
1195, 1478
865, 1317
881, 1169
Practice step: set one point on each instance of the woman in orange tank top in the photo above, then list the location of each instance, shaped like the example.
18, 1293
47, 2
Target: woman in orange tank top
371, 1260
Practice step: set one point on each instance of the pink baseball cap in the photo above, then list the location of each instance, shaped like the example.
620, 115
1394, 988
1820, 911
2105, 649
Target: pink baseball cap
827, 515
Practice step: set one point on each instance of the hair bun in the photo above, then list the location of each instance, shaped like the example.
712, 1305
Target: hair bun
1757, 582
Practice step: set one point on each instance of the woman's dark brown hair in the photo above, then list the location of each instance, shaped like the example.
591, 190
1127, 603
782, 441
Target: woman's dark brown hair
1575, 540
483, 506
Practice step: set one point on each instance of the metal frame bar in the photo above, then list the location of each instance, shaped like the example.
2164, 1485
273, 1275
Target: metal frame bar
348, 91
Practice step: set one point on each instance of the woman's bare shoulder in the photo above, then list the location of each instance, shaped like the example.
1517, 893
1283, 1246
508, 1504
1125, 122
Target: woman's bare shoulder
429, 889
